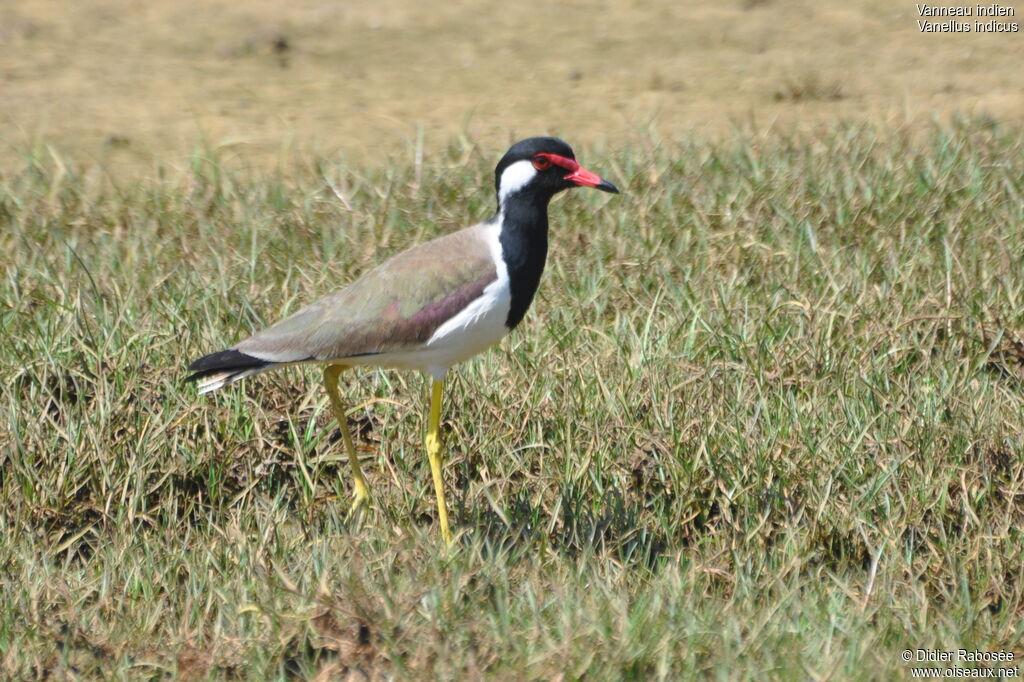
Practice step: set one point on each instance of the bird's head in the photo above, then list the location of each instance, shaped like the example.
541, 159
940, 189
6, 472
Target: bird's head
542, 167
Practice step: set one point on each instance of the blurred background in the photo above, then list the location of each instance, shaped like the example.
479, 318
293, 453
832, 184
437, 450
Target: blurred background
131, 83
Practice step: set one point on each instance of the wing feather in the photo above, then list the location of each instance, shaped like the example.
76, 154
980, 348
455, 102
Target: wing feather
396, 306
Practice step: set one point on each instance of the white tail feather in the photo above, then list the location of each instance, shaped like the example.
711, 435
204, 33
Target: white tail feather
228, 377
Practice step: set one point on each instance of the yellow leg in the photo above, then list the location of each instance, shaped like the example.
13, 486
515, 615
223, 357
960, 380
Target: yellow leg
434, 455
362, 492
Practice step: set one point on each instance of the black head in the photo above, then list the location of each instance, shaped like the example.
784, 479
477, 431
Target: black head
542, 167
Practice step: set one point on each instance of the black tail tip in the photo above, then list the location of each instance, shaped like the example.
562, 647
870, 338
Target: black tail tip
223, 361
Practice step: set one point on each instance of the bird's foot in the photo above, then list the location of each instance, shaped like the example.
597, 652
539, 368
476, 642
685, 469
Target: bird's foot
360, 498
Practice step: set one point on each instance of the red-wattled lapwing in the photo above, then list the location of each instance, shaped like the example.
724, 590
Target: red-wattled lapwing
427, 308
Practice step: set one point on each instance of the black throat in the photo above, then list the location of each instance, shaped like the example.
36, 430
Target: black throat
524, 247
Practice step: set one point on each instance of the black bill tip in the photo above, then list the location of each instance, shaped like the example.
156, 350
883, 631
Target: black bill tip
606, 186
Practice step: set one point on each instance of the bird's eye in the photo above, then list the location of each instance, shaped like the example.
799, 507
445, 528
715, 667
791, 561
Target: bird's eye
541, 162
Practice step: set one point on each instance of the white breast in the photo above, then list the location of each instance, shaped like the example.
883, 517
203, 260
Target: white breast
477, 327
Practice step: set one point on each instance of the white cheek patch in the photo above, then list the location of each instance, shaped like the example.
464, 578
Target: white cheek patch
515, 177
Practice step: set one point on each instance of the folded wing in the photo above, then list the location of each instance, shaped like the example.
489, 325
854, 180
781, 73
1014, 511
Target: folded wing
395, 307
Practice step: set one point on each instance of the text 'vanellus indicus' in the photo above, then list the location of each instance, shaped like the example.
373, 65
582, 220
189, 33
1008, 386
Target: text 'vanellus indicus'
429, 307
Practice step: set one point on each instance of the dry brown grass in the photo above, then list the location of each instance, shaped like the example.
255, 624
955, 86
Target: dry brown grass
131, 82
764, 421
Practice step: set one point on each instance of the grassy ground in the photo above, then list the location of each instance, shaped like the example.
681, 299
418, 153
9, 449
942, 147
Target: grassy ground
131, 84
763, 422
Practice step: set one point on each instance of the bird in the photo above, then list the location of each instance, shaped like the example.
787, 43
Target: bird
427, 308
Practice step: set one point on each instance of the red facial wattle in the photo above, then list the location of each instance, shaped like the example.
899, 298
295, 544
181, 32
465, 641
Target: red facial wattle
577, 174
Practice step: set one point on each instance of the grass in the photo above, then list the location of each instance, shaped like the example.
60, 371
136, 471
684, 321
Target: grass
763, 422
108, 82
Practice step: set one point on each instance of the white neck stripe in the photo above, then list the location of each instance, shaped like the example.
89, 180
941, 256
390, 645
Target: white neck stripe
514, 178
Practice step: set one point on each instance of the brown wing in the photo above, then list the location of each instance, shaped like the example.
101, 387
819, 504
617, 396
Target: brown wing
396, 306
